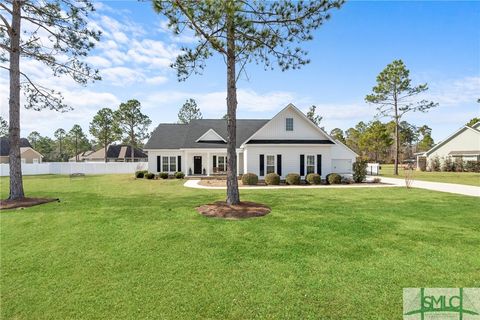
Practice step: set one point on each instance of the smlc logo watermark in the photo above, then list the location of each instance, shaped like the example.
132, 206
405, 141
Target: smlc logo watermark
441, 303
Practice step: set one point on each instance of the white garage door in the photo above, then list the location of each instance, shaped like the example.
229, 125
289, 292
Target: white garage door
341, 166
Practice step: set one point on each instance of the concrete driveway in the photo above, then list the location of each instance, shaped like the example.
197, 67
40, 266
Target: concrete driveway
437, 186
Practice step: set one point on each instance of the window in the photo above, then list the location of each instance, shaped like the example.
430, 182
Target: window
289, 124
270, 164
222, 163
310, 164
173, 164
169, 164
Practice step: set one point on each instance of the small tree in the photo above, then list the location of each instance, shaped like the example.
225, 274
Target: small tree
473, 121
60, 135
315, 118
33, 138
133, 124
3, 127
243, 31
77, 140
359, 170
189, 111
59, 38
104, 127
394, 95
338, 134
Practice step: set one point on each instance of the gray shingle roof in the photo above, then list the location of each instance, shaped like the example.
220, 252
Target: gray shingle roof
5, 145
176, 136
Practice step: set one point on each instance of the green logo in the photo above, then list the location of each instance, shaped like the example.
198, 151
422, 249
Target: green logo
441, 303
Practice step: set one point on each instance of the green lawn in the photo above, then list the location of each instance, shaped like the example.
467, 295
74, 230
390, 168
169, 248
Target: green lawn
468, 178
115, 247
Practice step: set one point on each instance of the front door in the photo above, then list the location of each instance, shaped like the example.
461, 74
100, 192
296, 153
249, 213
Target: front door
197, 165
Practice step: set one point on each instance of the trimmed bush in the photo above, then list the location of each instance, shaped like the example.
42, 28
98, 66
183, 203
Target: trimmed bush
163, 175
179, 175
313, 178
292, 179
472, 166
359, 171
150, 176
272, 179
376, 180
334, 178
249, 179
140, 174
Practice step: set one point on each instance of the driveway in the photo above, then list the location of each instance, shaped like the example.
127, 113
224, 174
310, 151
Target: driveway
438, 186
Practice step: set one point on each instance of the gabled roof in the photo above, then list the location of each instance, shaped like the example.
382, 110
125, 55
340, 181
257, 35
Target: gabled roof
456, 133
185, 136
303, 116
5, 145
119, 151
211, 135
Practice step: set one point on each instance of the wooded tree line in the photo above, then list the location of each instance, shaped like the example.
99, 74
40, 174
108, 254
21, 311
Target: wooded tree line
374, 141
127, 125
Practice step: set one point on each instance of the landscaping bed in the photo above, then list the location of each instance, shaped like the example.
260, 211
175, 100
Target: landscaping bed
244, 209
24, 203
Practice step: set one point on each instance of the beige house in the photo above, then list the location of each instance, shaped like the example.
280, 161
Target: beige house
463, 143
27, 153
115, 153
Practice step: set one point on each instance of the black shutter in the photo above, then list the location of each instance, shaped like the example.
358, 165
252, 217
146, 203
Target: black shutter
279, 164
302, 164
158, 163
262, 165
319, 164
214, 161
179, 163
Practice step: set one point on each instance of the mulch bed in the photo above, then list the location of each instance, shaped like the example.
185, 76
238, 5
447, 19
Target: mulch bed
244, 210
25, 202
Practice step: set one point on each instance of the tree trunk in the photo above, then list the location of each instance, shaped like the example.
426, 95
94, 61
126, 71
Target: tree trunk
132, 141
233, 196
395, 168
16, 182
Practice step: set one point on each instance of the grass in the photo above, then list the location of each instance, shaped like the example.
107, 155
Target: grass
119, 248
468, 178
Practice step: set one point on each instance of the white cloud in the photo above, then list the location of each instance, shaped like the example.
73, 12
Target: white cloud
454, 92
156, 80
98, 62
121, 76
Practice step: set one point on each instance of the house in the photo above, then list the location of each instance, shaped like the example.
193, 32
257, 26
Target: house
463, 144
287, 143
27, 153
115, 153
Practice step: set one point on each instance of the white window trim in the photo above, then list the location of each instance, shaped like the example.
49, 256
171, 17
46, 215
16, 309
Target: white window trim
274, 163
314, 163
168, 163
286, 127
224, 164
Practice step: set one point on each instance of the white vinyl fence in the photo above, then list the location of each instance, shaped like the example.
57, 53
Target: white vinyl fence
77, 167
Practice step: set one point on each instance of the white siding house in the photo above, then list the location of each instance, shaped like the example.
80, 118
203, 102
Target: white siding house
287, 143
463, 143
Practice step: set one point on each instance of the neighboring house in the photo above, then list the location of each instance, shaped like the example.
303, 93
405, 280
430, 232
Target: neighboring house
287, 143
27, 153
115, 153
463, 143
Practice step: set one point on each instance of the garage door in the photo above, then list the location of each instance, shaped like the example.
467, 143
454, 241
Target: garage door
341, 166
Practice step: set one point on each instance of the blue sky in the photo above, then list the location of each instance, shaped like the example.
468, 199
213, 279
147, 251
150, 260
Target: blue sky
438, 41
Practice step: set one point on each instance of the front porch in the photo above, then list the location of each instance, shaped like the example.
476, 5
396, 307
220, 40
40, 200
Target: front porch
201, 164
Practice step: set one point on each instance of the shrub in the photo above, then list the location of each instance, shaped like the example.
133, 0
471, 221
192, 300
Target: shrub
447, 165
334, 178
313, 178
472, 166
163, 175
347, 180
359, 171
179, 175
376, 180
292, 179
272, 179
140, 174
150, 176
435, 164
249, 179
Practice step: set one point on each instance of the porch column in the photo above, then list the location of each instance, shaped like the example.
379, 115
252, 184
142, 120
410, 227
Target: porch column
238, 163
185, 162
208, 163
